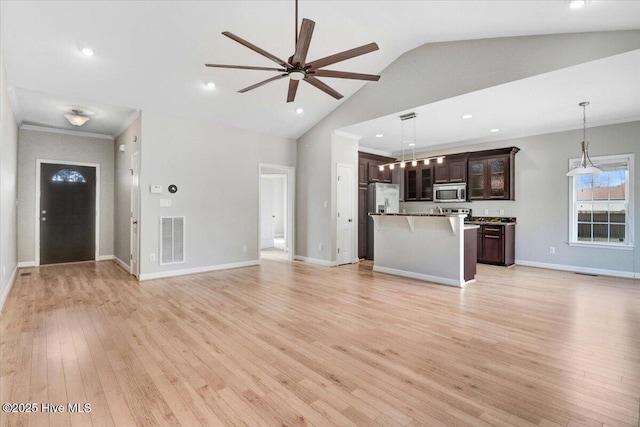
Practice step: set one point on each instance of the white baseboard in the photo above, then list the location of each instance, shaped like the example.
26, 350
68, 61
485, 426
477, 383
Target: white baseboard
105, 258
10, 283
315, 261
122, 264
26, 264
172, 273
419, 276
576, 269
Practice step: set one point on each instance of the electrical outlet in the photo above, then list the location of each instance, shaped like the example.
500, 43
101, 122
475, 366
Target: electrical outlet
552, 250
431, 210
321, 247
325, 204
486, 211
152, 257
501, 212
244, 248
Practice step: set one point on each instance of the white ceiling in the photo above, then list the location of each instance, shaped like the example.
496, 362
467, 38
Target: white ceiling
536, 105
44, 109
151, 55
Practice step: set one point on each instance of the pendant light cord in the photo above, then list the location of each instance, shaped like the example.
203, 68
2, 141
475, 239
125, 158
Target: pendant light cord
294, 47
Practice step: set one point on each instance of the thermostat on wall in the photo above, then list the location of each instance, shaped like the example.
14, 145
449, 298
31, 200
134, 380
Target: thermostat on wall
155, 189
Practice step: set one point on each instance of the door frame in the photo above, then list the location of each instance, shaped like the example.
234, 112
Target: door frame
39, 163
131, 219
354, 213
290, 172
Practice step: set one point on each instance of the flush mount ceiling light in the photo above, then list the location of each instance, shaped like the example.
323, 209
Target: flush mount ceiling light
77, 119
583, 168
577, 4
379, 135
210, 85
299, 110
494, 130
467, 116
87, 51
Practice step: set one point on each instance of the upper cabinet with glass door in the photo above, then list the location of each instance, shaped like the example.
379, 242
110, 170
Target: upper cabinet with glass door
491, 174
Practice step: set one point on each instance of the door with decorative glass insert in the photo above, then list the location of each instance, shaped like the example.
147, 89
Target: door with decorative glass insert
67, 213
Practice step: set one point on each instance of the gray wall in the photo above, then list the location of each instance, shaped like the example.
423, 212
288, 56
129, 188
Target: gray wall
424, 75
216, 170
542, 196
8, 186
55, 146
122, 189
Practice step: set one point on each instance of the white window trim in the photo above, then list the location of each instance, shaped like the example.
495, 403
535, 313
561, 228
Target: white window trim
573, 223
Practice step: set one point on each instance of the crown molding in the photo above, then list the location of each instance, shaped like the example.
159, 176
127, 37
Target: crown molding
14, 104
374, 151
66, 132
132, 118
347, 135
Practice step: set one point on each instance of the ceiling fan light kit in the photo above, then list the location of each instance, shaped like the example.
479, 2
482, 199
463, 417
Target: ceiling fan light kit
297, 68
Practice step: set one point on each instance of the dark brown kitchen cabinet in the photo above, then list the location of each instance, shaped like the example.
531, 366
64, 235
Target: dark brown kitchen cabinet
496, 244
492, 174
451, 170
418, 183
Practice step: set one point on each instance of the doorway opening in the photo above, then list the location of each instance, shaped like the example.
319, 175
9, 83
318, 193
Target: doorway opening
67, 212
275, 212
134, 256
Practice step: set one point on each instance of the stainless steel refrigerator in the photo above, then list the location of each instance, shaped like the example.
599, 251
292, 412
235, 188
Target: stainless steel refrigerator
381, 198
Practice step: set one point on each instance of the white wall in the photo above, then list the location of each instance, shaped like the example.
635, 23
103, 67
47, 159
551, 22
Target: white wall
424, 75
8, 188
542, 196
216, 171
35, 145
122, 189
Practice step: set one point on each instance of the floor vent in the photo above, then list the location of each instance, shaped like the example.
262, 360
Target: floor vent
25, 274
172, 235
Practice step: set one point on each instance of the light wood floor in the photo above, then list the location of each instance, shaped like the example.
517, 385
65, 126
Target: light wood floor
298, 345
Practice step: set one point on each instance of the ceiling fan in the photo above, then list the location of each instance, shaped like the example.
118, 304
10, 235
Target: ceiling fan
297, 68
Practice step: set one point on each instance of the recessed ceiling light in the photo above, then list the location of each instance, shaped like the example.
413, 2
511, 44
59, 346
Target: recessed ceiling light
87, 51
494, 130
299, 110
379, 135
467, 116
577, 4
210, 85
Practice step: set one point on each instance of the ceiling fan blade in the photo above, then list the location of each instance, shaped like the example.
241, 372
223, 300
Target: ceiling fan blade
293, 88
347, 54
264, 82
257, 49
323, 87
345, 75
304, 40
245, 67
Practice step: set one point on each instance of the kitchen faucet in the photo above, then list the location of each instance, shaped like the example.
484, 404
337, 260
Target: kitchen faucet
440, 210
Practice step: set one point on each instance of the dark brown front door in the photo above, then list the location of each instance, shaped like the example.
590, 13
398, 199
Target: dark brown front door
67, 213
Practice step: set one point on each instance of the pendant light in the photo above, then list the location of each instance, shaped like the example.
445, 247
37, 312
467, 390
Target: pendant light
76, 118
584, 168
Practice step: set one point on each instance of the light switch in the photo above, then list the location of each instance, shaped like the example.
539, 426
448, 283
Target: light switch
165, 203
155, 189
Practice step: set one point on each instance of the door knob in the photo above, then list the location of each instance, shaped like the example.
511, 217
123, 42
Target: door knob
135, 222
350, 220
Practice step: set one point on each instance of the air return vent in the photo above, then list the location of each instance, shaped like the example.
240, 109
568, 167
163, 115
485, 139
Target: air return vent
171, 239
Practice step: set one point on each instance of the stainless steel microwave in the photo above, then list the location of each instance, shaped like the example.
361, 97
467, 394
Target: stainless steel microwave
450, 192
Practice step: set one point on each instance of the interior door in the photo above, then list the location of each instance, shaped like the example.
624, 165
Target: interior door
345, 195
67, 213
267, 217
135, 214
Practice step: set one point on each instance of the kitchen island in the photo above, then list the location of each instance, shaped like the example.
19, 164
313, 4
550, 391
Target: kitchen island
436, 248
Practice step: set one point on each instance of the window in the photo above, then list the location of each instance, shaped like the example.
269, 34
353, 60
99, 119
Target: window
68, 175
601, 205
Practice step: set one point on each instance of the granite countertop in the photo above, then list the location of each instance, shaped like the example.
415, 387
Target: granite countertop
491, 221
419, 214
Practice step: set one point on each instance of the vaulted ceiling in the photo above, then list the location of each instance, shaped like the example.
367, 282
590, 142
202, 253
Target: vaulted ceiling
151, 55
